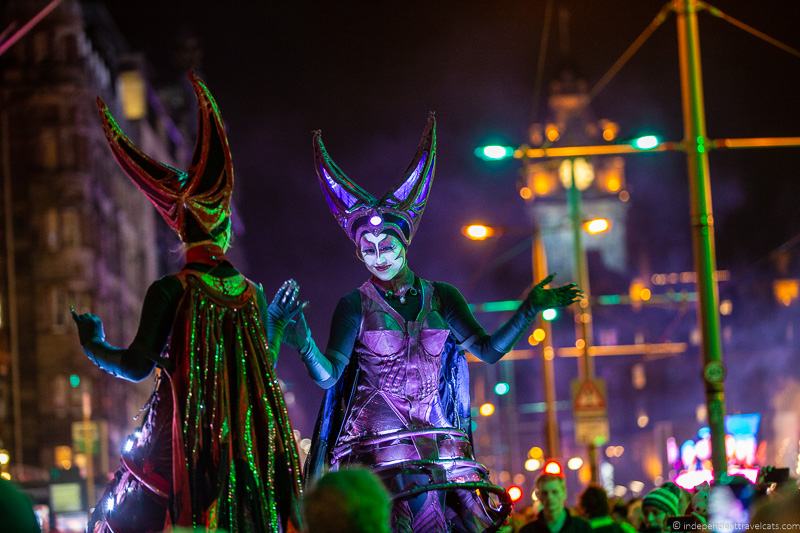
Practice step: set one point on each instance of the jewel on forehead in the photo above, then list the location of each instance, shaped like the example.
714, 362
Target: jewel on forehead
375, 220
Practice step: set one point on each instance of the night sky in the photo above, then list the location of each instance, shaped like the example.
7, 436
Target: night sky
368, 73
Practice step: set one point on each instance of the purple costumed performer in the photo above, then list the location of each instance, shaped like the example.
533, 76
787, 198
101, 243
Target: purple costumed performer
216, 449
397, 384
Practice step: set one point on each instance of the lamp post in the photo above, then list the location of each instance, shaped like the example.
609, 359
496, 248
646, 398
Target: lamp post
539, 260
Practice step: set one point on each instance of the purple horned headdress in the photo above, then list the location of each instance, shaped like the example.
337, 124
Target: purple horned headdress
398, 212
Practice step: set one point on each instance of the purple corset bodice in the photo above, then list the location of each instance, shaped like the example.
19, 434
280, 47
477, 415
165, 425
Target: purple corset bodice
400, 363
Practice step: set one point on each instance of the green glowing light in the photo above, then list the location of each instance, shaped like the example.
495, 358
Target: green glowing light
609, 299
74, 381
549, 314
494, 152
645, 142
502, 388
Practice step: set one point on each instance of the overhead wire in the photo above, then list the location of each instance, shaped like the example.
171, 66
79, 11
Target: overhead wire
749, 29
537, 84
631, 50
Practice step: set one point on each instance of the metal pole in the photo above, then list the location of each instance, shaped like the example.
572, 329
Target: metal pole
11, 287
583, 313
88, 442
548, 354
695, 140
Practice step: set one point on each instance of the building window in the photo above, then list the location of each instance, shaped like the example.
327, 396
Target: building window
51, 229
41, 46
81, 155
48, 149
69, 47
59, 309
70, 227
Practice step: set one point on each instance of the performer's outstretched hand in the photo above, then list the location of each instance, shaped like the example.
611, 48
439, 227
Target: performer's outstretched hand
298, 333
541, 298
90, 327
286, 305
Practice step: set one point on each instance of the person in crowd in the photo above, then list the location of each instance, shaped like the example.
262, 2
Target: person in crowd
554, 517
699, 506
619, 512
593, 503
684, 496
16, 511
351, 499
657, 506
635, 516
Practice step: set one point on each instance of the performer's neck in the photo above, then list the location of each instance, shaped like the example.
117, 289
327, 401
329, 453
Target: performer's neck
206, 254
404, 278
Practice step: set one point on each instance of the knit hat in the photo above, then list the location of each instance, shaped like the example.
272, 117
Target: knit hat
662, 499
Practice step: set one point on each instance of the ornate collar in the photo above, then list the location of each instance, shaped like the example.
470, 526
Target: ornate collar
207, 254
398, 290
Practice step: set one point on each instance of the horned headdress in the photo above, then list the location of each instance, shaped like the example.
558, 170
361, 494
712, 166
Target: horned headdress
398, 212
195, 203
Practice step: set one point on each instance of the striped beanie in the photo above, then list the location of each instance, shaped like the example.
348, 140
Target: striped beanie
662, 499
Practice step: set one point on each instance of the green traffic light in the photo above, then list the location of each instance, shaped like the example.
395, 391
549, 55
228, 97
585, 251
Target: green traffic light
494, 152
74, 381
502, 388
645, 142
549, 314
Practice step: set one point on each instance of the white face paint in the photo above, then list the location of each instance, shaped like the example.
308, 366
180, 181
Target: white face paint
383, 255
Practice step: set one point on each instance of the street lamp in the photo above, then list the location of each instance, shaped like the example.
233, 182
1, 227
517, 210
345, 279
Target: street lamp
487, 409
478, 232
596, 226
646, 142
494, 152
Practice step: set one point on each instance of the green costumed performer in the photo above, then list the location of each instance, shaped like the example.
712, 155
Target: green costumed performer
216, 448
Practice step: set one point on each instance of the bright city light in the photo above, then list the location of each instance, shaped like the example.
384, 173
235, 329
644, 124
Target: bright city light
74, 381
478, 232
536, 453
549, 314
515, 493
4, 457
494, 152
646, 142
502, 388
575, 463
539, 334
553, 468
636, 486
531, 465
487, 409
5, 475
597, 225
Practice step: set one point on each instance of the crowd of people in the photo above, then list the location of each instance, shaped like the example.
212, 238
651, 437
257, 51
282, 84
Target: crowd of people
733, 504
355, 500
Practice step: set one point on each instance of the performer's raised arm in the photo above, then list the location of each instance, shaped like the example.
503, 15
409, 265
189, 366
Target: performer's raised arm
137, 361
325, 368
491, 348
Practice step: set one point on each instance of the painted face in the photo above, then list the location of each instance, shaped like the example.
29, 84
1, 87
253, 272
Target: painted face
553, 495
383, 255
